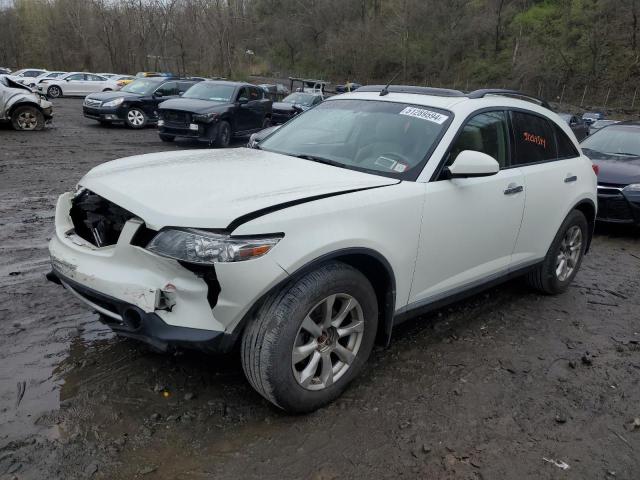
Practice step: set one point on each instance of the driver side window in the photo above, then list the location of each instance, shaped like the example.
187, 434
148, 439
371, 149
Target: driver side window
487, 133
243, 93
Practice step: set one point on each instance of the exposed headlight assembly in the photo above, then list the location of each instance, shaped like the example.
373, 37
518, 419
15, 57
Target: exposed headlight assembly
199, 246
113, 103
634, 187
204, 117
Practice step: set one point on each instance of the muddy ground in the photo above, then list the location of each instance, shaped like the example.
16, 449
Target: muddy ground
487, 389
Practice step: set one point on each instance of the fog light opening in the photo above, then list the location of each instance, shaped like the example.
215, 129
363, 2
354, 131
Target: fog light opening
132, 318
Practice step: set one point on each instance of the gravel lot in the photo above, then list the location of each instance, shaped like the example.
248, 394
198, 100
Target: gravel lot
488, 388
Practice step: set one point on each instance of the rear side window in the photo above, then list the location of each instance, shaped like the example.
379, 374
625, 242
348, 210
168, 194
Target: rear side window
534, 139
566, 149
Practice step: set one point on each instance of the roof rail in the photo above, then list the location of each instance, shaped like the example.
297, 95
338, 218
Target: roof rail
508, 93
438, 92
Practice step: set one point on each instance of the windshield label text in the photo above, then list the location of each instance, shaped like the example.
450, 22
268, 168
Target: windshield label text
425, 115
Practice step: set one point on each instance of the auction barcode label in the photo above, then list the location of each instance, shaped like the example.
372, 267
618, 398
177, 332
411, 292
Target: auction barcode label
425, 114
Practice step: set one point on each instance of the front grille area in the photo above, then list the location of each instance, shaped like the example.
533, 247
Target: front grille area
92, 103
175, 117
614, 207
96, 219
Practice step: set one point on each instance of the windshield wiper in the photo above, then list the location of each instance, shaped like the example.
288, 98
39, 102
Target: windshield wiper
326, 161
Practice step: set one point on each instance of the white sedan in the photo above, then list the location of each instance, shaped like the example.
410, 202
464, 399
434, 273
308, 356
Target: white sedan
74, 84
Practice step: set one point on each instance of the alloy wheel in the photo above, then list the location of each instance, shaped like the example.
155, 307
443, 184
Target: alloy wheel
54, 92
327, 342
27, 120
135, 117
569, 254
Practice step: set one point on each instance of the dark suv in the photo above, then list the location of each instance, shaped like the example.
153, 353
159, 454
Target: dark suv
215, 112
136, 104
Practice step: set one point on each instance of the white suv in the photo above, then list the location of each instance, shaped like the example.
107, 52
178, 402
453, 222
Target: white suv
365, 210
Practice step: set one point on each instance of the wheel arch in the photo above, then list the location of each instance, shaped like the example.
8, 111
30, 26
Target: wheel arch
22, 103
370, 263
59, 87
588, 208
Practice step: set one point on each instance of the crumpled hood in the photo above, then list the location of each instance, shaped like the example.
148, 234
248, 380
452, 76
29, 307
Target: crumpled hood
615, 169
211, 188
193, 105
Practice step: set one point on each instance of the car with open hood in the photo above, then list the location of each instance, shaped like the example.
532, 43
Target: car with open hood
372, 207
214, 112
22, 107
135, 104
615, 150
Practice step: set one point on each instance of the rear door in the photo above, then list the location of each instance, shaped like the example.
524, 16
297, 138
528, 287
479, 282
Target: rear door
94, 83
257, 108
470, 225
552, 167
73, 84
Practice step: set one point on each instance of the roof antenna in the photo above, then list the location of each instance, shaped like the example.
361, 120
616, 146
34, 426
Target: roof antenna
385, 90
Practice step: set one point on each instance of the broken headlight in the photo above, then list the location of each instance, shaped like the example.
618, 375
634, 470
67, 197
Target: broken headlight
199, 246
204, 117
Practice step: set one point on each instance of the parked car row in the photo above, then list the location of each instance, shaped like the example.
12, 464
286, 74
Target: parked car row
211, 111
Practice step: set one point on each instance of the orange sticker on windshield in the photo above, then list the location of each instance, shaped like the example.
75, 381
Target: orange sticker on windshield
537, 139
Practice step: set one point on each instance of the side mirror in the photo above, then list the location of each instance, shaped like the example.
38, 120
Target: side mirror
158, 94
243, 100
470, 163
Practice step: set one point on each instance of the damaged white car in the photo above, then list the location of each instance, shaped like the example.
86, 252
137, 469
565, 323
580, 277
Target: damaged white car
25, 109
361, 212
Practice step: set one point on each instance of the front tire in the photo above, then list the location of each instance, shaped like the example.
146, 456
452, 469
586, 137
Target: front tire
223, 135
563, 260
54, 91
27, 118
136, 118
309, 341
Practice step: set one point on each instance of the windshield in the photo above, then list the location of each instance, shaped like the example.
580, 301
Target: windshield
299, 99
142, 86
616, 140
387, 138
214, 92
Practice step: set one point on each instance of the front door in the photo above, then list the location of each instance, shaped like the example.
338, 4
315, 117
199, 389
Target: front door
470, 225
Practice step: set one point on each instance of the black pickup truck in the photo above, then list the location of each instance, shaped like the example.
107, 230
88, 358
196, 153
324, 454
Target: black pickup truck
215, 112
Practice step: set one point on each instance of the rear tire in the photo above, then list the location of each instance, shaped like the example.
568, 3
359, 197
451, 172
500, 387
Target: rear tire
27, 118
298, 357
563, 260
54, 91
166, 138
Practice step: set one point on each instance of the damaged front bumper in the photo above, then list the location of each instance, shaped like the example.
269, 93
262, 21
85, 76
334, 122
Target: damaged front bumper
155, 299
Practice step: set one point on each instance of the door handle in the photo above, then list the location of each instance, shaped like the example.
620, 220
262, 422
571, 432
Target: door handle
570, 178
512, 189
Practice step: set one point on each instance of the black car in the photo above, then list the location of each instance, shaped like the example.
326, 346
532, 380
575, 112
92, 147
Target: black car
615, 150
214, 112
579, 127
294, 104
136, 104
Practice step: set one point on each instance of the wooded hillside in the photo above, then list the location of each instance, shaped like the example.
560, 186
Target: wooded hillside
543, 47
